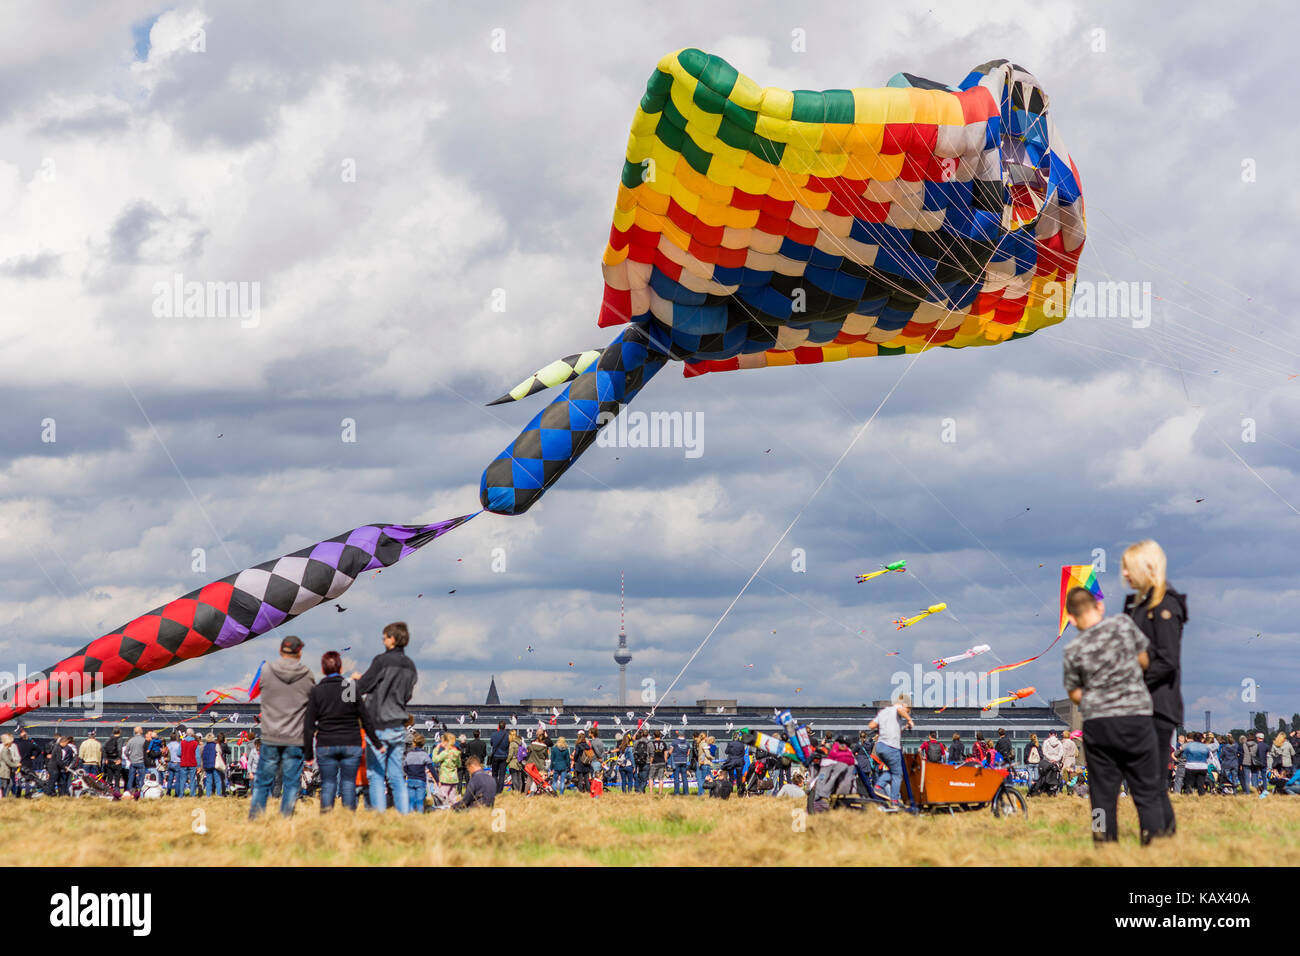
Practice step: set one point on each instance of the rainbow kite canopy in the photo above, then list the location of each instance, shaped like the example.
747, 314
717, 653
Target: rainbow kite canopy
1076, 576
759, 227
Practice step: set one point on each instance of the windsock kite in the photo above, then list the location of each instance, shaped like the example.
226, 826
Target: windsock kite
975, 651
1016, 695
798, 734
884, 569
903, 622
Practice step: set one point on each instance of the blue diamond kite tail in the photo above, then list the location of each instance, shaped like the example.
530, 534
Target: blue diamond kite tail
562, 431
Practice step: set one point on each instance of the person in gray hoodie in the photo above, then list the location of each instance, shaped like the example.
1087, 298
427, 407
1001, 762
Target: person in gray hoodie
133, 757
286, 686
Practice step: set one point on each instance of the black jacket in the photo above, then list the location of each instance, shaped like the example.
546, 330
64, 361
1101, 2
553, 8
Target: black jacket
332, 721
1163, 627
27, 751
735, 755
387, 687
112, 748
475, 747
956, 751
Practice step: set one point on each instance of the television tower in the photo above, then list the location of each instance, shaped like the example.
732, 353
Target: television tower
622, 656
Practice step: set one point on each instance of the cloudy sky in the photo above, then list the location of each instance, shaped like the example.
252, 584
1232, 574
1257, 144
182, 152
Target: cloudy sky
380, 176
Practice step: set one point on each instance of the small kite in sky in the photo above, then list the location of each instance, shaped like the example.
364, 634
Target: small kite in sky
903, 622
975, 651
1014, 695
884, 569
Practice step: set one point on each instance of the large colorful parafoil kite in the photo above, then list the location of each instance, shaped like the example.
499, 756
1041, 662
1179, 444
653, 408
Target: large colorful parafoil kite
753, 227
758, 227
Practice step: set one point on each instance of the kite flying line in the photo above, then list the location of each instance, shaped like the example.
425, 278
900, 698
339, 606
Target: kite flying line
790, 526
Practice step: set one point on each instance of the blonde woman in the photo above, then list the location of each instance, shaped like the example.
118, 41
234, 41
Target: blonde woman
561, 765
1159, 613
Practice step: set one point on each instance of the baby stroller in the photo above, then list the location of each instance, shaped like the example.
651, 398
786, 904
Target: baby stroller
84, 784
755, 779
542, 784
1048, 783
30, 783
237, 782
1225, 784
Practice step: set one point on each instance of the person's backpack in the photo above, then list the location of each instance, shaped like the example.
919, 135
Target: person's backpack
522, 753
933, 751
642, 751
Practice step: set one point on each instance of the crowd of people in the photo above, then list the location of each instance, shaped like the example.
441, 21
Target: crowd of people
352, 738
1218, 763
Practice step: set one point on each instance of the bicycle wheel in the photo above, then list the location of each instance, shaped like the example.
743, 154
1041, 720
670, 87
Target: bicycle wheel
1008, 802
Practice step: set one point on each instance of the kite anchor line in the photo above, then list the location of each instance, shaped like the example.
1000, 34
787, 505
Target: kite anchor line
816, 491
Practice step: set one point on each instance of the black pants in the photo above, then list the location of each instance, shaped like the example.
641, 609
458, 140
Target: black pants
499, 773
1120, 749
1164, 749
1195, 780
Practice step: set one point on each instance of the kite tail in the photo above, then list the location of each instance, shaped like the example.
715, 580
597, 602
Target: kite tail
227, 612
563, 430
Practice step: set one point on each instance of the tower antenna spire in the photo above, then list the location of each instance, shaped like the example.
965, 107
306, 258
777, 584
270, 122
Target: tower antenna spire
622, 656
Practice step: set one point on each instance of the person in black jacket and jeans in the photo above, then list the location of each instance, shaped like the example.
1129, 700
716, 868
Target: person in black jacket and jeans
476, 746
387, 687
331, 733
499, 747
1159, 613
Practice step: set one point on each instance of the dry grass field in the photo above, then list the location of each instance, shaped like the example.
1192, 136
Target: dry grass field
633, 830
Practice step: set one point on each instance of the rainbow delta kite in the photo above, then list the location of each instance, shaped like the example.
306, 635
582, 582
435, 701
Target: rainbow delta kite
1072, 576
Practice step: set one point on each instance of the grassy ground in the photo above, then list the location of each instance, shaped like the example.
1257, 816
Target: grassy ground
633, 830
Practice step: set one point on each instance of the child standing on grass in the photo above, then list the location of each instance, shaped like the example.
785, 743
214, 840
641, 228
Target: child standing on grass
1103, 675
447, 757
416, 763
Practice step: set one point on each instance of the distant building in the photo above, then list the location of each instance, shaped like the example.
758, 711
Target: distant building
179, 702
493, 699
